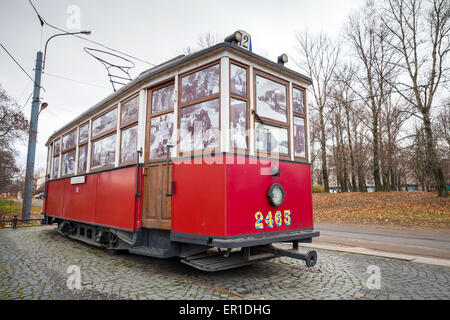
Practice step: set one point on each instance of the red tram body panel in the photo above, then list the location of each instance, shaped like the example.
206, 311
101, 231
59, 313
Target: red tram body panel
106, 199
203, 207
213, 199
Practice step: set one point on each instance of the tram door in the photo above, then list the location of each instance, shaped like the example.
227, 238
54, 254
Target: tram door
156, 211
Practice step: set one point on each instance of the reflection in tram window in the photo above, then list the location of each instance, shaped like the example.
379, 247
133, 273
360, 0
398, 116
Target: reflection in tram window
162, 99
160, 135
128, 145
271, 139
84, 132
238, 124
104, 123
298, 101
299, 137
55, 167
68, 162
69, 140
104, 152
238, 80
200, 84
271, 99
199, 126
129, 110
82, 158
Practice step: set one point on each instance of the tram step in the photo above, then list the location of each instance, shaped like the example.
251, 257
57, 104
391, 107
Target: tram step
151, 252
218, 262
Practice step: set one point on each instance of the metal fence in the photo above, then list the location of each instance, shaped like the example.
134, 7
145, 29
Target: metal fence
15, 220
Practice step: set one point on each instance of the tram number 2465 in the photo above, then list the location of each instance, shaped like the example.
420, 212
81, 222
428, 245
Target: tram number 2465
277, 219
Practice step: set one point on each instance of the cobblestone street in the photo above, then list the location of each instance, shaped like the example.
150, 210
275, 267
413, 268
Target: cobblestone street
34, 263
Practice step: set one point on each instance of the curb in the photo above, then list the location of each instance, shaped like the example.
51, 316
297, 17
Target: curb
358, 250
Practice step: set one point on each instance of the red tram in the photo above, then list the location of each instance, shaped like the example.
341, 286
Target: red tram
204, 157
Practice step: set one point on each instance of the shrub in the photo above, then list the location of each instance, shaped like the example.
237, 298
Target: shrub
317, 188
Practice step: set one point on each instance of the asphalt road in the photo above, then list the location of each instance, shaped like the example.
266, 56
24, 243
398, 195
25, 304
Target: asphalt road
415, 242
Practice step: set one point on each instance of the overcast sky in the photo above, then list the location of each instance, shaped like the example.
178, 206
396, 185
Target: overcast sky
154, 31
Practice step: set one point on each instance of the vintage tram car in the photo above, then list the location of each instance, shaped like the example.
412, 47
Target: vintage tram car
204, 157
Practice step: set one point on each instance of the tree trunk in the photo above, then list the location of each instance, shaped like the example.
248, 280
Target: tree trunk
436, 167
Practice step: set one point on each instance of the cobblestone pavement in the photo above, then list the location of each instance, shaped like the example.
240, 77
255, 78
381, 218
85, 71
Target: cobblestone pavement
34, 262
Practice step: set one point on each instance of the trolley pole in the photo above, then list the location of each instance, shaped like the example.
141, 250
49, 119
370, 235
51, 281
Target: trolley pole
31, 154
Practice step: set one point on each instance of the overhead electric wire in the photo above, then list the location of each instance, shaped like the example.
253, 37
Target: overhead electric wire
15, 60
77, 81
43, 21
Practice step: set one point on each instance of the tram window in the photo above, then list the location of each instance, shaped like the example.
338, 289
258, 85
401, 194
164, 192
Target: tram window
55, 167
199, 126
238, 80
238, 106
238, 124
271, 139
84, 132
271, 99
299, 137
82, 158
105, 123
104, 152
200, 84
68, 163
160, 135
162, 99
129, 111
299, 110
69, 140
298, 101
128, 145
56, 148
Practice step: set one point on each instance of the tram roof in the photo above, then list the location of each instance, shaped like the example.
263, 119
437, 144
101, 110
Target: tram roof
172, 63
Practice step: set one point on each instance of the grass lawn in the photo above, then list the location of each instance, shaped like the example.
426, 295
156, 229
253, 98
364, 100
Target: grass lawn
408, 209
9, 208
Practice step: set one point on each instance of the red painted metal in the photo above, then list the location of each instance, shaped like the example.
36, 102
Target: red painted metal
221, 197
199, 203
106, 198
214, 196
247, 186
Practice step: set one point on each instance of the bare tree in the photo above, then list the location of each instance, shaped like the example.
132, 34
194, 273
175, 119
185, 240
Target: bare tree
13, 128
204, 40
318, 58
421, 37
368, 41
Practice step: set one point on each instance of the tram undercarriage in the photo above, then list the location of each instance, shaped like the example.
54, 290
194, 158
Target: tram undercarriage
158, 244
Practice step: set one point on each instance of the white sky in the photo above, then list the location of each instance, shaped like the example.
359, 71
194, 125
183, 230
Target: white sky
155, 31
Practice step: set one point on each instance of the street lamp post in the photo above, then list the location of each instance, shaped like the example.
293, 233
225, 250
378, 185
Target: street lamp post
31, 153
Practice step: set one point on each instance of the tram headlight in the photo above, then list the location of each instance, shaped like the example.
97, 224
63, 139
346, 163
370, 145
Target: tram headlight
276, 195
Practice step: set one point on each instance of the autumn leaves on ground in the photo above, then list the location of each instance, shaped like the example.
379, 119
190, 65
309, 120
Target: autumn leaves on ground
397, 209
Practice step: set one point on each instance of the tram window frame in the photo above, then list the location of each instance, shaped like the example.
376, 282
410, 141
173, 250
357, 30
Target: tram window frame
199, 101
114, 133
103, 135
108, 132
54, 155
128, 125
269, 121
151, 115
241, 98
304, 117
86, 123
67, 150
82, 144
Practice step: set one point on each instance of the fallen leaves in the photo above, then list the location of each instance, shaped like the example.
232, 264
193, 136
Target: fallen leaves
393, 208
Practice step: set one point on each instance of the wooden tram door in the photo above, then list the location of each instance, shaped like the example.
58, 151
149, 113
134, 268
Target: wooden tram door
156, 210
